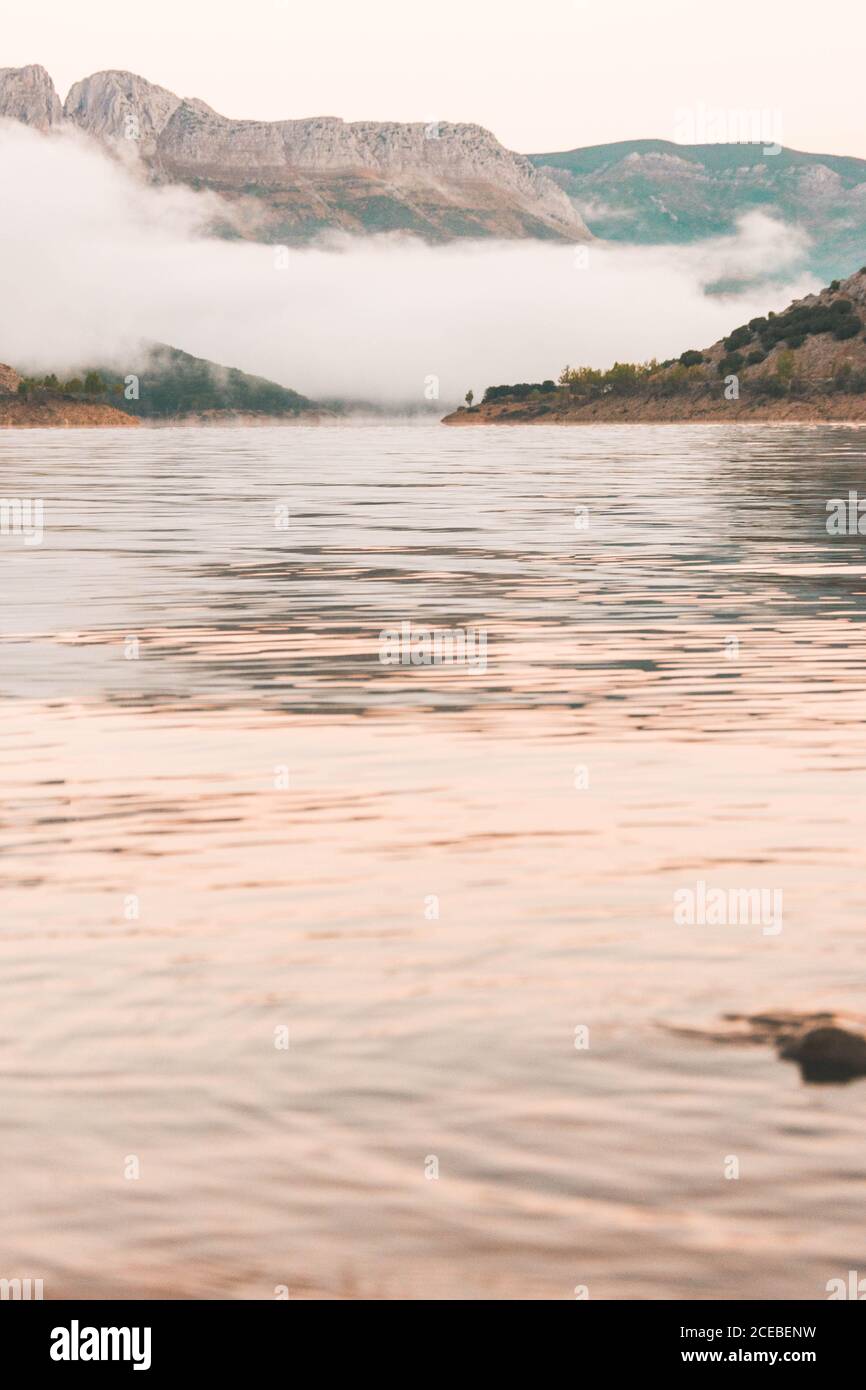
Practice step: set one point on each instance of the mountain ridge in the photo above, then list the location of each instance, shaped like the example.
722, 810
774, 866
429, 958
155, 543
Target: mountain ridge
290, 181
654, 192
294, 179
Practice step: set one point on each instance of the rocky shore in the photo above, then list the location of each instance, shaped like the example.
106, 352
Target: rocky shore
805, 365
63, 415
826, 409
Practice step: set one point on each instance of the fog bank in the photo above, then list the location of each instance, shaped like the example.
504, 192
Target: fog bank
93, 261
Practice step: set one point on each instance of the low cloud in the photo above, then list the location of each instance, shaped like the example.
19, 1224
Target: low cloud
93, 261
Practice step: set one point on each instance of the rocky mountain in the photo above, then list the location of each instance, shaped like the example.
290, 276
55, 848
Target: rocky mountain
121, 109
289, 180
652, 191
806, 363
28, 95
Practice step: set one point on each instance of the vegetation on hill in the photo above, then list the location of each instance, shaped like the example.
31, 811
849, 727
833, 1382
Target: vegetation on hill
521, 391
170, 384
815, 348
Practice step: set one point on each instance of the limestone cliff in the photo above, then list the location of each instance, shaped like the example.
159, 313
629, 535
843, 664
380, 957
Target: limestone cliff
439, 181
289, 180
120, 108
28, 95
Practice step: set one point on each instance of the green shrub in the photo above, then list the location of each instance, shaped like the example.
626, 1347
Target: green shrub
842, 377
796, 324
520, 390
673, 382
738, 338
772, 386
731, 364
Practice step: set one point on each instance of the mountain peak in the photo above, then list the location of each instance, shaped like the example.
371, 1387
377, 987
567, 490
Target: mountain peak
27, 95
114, 105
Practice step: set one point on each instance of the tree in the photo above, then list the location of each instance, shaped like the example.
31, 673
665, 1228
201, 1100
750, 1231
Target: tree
731, 363
469, 398
739, 338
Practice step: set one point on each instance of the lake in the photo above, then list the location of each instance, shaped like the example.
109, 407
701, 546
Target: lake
351, 970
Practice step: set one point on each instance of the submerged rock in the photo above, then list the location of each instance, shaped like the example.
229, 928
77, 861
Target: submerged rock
827, 1047
827, 1054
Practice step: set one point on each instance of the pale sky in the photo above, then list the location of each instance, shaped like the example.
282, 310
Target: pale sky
542, 76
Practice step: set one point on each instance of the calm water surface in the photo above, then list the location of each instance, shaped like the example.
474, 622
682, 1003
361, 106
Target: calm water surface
244, 830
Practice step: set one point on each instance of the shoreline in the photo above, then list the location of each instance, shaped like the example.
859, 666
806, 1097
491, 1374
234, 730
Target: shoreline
47, 417
812, 422
64, 415
823, 411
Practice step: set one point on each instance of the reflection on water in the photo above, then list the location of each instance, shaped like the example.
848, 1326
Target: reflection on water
254, 825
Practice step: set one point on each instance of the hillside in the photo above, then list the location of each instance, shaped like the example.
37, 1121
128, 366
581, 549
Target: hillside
173, 385
806, 363
53, 410
63, 414
647, 192
289, 180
